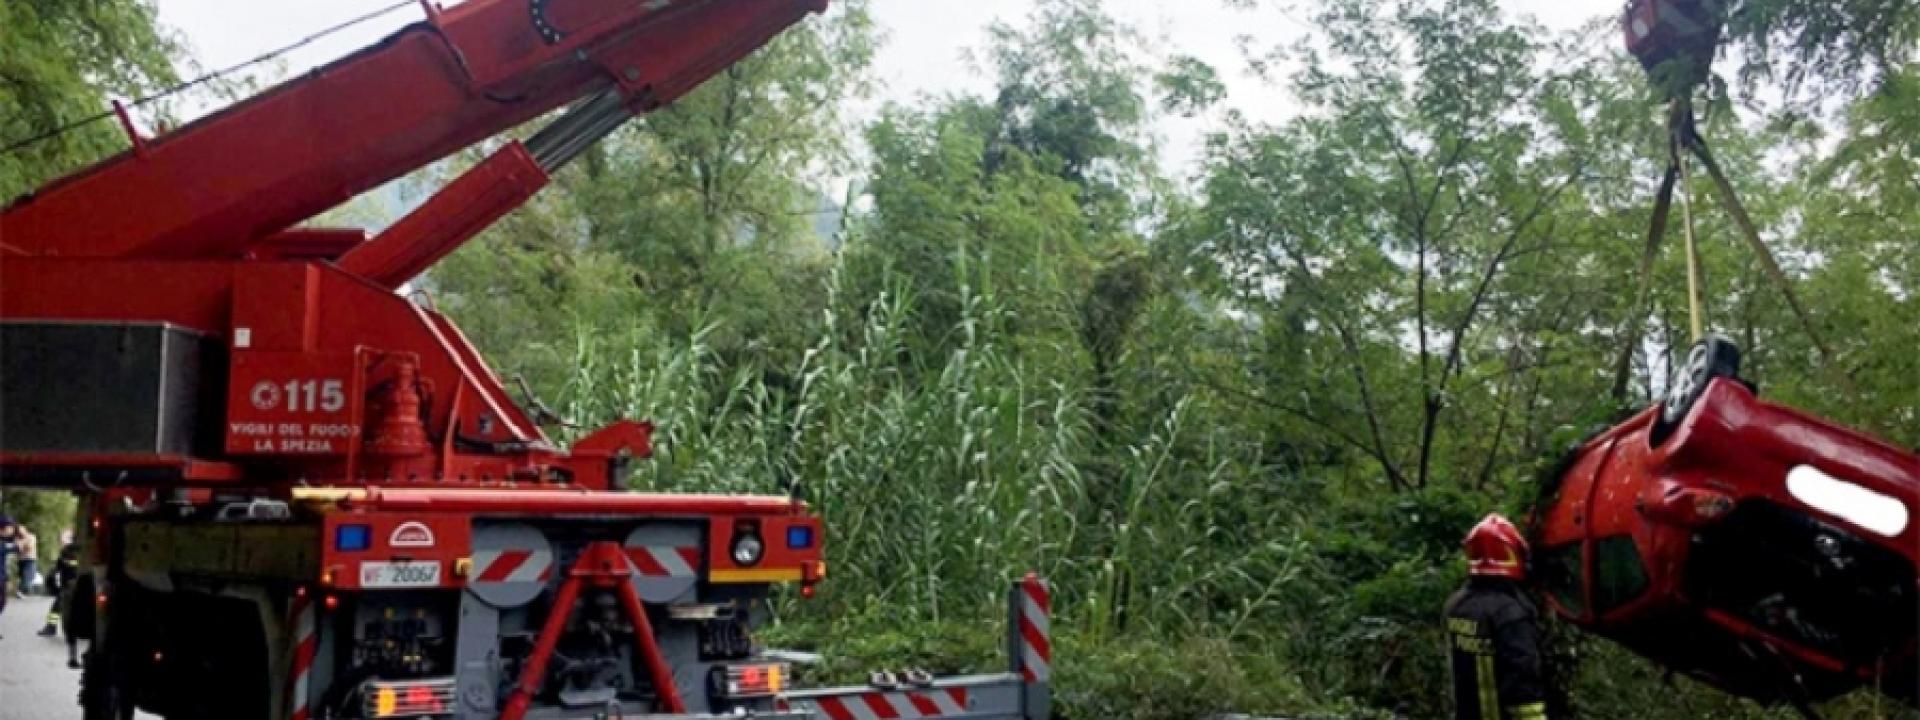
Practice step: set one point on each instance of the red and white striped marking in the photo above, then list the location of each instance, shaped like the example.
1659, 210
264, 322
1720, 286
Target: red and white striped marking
306, 642
1036, 647
513, 566
663, 561
904, 705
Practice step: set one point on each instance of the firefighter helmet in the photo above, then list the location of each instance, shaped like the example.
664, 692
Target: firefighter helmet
1495, 548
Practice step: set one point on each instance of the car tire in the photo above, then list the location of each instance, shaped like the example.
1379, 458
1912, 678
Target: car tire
1715, 356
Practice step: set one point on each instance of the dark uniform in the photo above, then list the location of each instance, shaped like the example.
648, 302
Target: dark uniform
65, 569
1494, 635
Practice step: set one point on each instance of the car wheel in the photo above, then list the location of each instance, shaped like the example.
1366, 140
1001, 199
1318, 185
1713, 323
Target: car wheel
1713, 357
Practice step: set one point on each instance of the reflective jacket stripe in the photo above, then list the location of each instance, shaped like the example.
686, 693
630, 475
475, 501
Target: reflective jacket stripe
1489, 692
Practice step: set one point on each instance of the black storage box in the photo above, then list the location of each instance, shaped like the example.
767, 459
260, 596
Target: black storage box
77, 387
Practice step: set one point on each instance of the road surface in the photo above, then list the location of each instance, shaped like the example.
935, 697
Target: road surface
35, 683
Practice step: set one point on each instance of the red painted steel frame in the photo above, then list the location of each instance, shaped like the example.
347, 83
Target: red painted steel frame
501, 183
603, 565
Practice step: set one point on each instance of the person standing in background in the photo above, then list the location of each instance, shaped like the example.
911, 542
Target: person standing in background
8, 548
29, 548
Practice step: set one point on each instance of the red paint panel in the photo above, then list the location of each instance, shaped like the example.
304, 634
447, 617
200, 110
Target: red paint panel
1037, 592
192, 295
835, 709
643, 559
1036, 639
285, 403
924, 705
502, 568
880, 707
303, 654
277, 305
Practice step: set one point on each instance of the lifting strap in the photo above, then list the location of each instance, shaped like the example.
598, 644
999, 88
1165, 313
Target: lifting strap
1684, 138
1695, 314
1731, 200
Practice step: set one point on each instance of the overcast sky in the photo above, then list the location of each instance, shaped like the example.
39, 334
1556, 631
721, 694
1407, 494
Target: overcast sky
926, 41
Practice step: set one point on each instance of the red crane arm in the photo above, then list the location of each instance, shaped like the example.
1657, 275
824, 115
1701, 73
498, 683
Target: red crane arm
211, 189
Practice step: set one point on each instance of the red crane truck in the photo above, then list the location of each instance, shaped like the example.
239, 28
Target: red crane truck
310, 497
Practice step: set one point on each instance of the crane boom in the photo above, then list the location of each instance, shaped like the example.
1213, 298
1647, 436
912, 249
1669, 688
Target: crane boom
213, 188
232, 346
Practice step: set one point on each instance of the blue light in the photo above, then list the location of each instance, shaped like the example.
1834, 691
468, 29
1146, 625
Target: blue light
352, 538
799, 537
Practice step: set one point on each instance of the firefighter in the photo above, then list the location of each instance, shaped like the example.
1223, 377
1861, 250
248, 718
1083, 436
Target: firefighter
1494, 631
66, 568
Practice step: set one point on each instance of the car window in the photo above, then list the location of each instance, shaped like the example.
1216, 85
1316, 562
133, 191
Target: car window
1559, 569
1619, 575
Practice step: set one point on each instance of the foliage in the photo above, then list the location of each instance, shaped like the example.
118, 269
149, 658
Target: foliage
63, 62
1820, 43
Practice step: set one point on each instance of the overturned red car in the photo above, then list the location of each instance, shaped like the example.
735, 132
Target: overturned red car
1756, 548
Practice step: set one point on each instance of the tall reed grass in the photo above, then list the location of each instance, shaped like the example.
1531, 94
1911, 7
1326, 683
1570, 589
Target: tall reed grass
1194, 573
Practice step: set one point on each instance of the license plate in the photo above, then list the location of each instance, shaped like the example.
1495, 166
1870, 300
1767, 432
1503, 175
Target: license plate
399, 574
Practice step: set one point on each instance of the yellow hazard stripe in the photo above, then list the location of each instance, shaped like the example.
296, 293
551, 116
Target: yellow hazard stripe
763, 575
1532, 711
1489, 693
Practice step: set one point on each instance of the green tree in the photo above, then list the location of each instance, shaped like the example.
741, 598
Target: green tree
64, 62
1404, 244
1849, 45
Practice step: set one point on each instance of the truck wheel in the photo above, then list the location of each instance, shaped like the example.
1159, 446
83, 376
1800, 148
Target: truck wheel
1712, 357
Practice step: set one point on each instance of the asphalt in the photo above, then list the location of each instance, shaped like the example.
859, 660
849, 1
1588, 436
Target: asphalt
35, 683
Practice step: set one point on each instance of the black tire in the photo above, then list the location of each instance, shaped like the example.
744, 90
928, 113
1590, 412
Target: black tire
1712, 357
